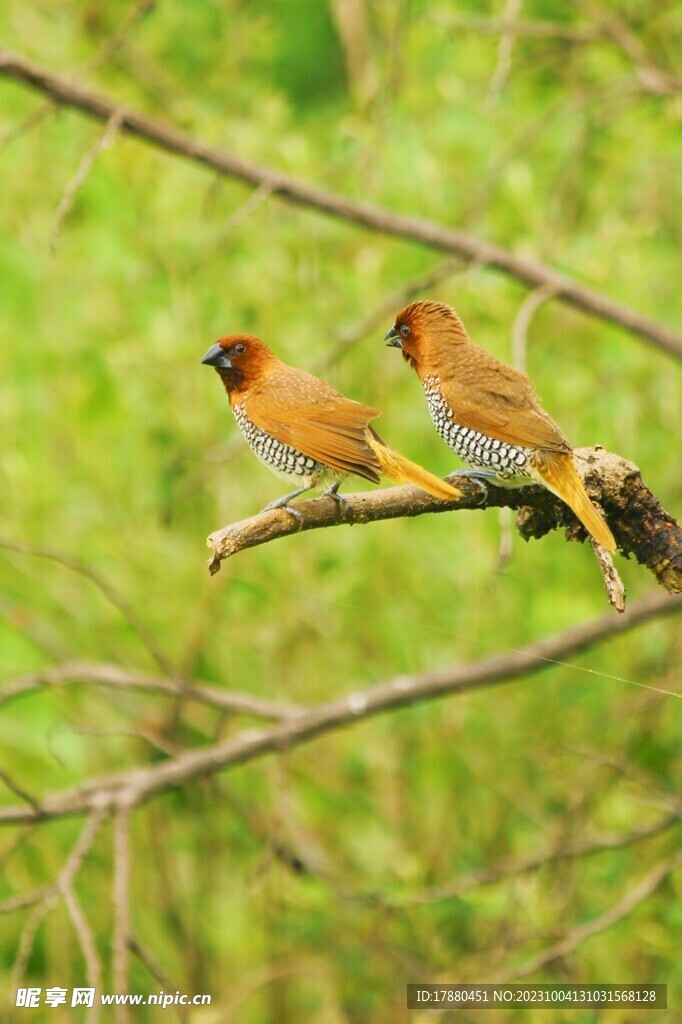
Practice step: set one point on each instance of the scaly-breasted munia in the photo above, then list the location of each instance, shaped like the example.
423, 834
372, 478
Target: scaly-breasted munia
489, 413
304, 430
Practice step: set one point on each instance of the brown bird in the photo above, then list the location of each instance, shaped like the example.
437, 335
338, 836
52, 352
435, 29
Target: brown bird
304, 430
489, 413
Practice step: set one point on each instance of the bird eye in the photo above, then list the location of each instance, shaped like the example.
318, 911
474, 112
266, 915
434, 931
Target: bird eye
405, 330
240, 349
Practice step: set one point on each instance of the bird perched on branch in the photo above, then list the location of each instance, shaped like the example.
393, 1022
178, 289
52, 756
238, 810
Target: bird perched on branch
489, 413
304, 430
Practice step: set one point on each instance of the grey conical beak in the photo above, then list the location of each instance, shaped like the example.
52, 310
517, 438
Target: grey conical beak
217, 356
392, 338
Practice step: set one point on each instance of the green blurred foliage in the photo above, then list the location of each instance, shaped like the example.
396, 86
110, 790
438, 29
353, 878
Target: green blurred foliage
118, 449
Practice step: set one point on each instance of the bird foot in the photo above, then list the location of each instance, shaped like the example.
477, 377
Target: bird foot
479, 477
333, 492
281, 503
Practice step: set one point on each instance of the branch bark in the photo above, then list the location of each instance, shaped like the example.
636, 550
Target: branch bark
132, 788
531, 273
639, 523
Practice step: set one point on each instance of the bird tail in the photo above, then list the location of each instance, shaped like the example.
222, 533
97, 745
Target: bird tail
557, 472
403, 471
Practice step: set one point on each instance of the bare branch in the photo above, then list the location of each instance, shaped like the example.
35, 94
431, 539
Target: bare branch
136, 787
107, 48
121, 901
523, 866
82, 172
651, 77
151, 963
107, 589
18, 790
87, 944
291, 189
512, 9
24, 899
349, 336
259, 196
638, 894
526, 29
527, 311
50, 895
112, 677
640, 525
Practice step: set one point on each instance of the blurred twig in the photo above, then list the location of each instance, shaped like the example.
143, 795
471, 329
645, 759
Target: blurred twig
500, 75
107, 48
82, 172
107, 589
529, 29
18, 790
88, 946
640, 892
151, 963
527, 310
113, 677
374, 218
650, 75
140, 785
347, 337
50, 895
522, 866
121, 906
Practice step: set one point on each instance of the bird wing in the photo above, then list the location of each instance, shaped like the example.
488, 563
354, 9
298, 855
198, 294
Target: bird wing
305, 413
498, 401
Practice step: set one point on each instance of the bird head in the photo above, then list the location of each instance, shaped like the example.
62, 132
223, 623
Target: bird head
425, 332
240, 359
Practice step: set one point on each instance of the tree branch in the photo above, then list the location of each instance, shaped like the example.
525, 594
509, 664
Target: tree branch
497, 872
138, 786
113, 677
291, 189
639, 892
639, 523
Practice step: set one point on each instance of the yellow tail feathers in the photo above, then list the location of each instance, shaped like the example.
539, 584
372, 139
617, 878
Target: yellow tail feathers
403, 471
556, 471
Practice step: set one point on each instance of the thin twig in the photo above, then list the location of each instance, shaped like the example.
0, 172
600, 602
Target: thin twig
106, 49
121, 904
522, 866
291, 189
112, 677
527, 29
24, 899
82, 172
638, 894
654, 79
512, 9
347, 337
522, 321
18, 790
107, 589
136, 787
259, 196
52, 894
88, 947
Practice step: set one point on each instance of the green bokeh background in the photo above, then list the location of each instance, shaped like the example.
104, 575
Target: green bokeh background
119, 450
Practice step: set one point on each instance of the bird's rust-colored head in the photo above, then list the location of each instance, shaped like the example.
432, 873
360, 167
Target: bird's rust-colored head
241, 360
426, 333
